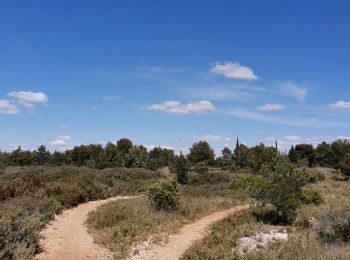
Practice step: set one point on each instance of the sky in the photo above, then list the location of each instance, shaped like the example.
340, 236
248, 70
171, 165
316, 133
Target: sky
170, 73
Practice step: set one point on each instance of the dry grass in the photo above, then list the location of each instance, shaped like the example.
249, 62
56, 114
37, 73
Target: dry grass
304, 242
31, 196
121, 225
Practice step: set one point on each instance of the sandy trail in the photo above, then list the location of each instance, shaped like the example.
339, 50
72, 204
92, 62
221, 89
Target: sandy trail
67, 238
179, 242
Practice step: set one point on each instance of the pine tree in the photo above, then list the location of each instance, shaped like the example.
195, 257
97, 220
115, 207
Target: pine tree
292, 155
181, 169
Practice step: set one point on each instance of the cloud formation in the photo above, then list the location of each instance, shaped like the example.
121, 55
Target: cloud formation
270, 107
305, 122
58, 142
233, 70
28, 99
175, 107
213, 138
29, 96
222, 92
64, 137
6, 107
290, 89
152, 146
61, 140
340, 105
285, 142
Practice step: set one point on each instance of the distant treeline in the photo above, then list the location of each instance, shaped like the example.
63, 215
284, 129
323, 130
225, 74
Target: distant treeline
125, 154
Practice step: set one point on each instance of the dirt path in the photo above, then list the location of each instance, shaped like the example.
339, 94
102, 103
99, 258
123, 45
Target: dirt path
179, 242
66, 237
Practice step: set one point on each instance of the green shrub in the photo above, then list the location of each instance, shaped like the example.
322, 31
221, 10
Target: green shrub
344, 165
309, 196
164, 194
201, 151
21, 219
2, 165
315, 176
279, 185
90, 164
320, 176
210, 178
201, 167
31, 196
335, 227
267, 213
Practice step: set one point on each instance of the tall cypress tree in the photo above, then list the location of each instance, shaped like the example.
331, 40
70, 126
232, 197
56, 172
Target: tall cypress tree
237, 154
276, 147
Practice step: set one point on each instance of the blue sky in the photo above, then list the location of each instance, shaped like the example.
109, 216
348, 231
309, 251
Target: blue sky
170, 73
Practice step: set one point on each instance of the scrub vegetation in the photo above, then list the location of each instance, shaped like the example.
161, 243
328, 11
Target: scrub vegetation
289, 191
320, 230
31, 196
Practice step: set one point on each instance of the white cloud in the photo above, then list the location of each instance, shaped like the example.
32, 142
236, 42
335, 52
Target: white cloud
95, 108
285, 142
64, 126
58, 142
340, 105
213, 138
292, 138
64, 137
305, 122
103, 143
61, 140
150, 147
290, 89
233, 70
6, 107
29, 97
175, 107
270, 107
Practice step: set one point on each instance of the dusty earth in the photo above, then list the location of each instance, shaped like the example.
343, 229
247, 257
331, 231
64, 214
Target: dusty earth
179, 242
67, 238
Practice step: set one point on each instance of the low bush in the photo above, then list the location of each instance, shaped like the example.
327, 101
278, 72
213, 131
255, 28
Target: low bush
164, 194
31, 196
335, 227
315, 176
303, 239
309, 196
344, 165
320, 176
201, 167
280, 185
209, 178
